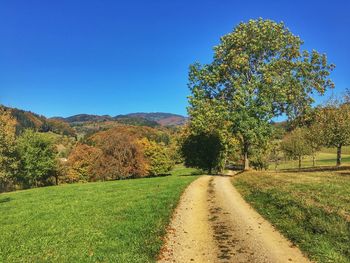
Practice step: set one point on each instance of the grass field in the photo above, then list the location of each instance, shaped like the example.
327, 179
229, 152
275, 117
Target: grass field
327, 157
310, 208
119, 221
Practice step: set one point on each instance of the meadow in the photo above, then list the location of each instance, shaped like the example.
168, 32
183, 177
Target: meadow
326, 157
311, 208
115, 221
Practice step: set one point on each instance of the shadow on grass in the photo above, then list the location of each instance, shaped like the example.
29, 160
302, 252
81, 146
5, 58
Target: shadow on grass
5, 200
344, 173
159, 175
317, 169
192, 173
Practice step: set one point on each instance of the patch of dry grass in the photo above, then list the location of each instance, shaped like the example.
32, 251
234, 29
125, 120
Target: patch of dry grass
311, 207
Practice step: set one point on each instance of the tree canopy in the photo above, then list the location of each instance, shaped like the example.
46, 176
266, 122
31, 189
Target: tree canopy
333, 125
37, 157
259, 72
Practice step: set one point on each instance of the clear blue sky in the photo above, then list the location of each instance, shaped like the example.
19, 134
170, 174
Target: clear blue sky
111, 57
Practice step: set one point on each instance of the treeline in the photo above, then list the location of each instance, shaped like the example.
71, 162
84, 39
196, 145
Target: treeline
32, 157
325, 126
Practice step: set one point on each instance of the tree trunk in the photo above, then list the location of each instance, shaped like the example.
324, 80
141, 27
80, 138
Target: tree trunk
314, 160
299, 162
339, 155
246, 160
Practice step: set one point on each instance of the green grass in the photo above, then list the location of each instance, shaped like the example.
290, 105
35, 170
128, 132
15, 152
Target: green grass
345, 150
119, 221
312, 209
324, 158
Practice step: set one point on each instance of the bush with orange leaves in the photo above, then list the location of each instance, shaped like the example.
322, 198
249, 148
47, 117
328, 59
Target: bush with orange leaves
111, 155
81, 164
122, 156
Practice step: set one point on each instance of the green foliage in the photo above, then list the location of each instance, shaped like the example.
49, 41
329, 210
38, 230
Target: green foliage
203, 151
259, 72
310, 208
295, 145
117, 221
208, 117
37, 158
260, 158
333, 123
136, 121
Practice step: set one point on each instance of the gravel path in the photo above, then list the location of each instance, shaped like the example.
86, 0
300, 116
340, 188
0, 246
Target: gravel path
213, 223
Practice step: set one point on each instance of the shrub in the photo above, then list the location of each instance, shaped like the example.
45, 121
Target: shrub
158, 158
37, 158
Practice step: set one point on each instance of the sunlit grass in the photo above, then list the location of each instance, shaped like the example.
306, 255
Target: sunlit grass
119, 221
310, 208
327, 158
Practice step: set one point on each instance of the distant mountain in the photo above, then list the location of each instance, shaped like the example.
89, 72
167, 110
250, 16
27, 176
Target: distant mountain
162, 118
31, 120
88, 123
136, 121
140, 119
84, 118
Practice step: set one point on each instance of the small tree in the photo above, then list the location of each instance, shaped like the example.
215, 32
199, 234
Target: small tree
203, 151
295, 146
333, 125
275, 152
37, 158
81, 163
314, 140
158, 157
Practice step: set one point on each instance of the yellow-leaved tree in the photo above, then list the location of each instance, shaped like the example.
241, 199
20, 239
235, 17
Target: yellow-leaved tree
8, 158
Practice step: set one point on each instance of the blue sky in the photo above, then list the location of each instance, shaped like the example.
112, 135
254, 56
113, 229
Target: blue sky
60, 58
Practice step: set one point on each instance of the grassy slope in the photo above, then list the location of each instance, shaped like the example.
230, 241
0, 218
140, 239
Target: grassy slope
119, 221
311, 208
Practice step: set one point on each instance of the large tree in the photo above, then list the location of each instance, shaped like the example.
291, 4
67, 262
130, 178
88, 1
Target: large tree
259, 72
122, 155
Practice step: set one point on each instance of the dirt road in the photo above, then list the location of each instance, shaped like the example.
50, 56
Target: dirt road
214, 224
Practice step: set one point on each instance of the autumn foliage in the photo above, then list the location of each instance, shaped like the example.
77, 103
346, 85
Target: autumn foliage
120, 152
121, 156
81, 164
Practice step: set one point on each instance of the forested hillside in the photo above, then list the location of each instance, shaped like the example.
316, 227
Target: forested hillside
37, 151
141, 119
